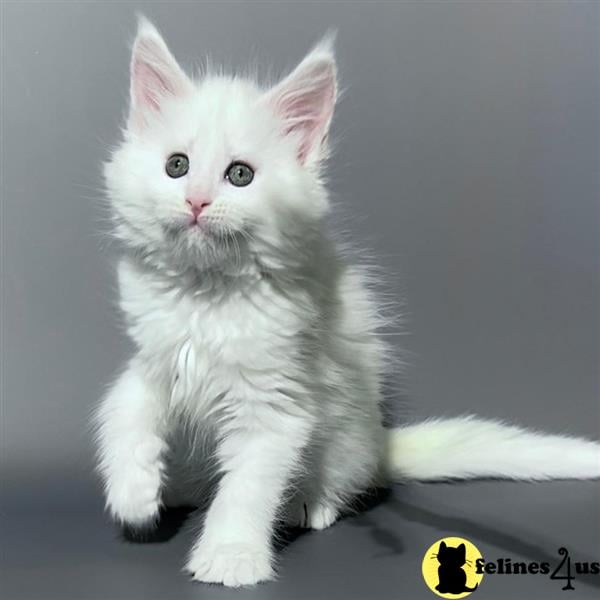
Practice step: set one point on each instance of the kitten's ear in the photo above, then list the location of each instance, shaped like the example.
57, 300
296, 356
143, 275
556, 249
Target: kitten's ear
462, 550
155, 75
305, 100
442, 546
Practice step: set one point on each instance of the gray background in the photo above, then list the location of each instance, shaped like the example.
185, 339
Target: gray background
467, 160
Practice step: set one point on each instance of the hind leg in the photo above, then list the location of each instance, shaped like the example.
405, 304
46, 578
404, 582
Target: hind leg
347, 465
310, 511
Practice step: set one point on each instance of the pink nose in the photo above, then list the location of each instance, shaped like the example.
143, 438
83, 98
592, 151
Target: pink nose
197, 205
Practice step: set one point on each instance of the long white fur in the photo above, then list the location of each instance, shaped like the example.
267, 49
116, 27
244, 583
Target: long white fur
253, 335
469, 447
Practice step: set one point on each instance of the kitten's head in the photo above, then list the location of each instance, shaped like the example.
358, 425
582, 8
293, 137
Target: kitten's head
213, 168
450, 556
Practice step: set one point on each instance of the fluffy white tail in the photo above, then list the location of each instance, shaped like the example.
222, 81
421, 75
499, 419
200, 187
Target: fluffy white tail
469, 447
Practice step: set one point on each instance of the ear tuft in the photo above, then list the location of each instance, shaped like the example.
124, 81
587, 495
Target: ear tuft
326, 45
155, 74
306, 98
145, 27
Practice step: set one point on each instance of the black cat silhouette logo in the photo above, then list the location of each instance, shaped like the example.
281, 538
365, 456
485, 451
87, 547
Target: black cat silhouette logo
449, 568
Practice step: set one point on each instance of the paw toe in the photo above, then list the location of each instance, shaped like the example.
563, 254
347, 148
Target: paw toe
231, 565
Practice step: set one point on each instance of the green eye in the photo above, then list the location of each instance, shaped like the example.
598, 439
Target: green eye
239, 174
177, 165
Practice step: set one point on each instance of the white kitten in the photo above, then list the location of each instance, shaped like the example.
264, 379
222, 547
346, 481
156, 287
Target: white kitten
252, 333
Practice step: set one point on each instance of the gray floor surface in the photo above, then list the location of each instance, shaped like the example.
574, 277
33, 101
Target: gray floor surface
58, 544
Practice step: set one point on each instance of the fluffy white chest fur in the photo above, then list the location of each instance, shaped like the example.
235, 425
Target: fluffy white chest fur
206, 345
253, 331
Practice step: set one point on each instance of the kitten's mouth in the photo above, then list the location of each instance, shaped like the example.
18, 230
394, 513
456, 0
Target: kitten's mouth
197, 228
206, 227
198, 225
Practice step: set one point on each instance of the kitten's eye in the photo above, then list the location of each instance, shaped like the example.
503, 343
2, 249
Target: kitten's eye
177, 165
239, 174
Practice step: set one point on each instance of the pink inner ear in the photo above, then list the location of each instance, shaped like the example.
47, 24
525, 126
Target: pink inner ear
154, 76
148, 85
306, 102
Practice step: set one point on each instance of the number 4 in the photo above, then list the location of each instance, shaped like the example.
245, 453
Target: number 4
565, 553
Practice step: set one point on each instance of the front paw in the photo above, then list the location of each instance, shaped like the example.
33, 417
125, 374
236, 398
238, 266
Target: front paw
135, 501
133, 491
233, 565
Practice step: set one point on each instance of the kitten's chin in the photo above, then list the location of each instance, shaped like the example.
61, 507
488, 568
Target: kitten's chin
204, 245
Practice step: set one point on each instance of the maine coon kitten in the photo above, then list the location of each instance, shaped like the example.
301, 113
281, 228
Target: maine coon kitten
252, 333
